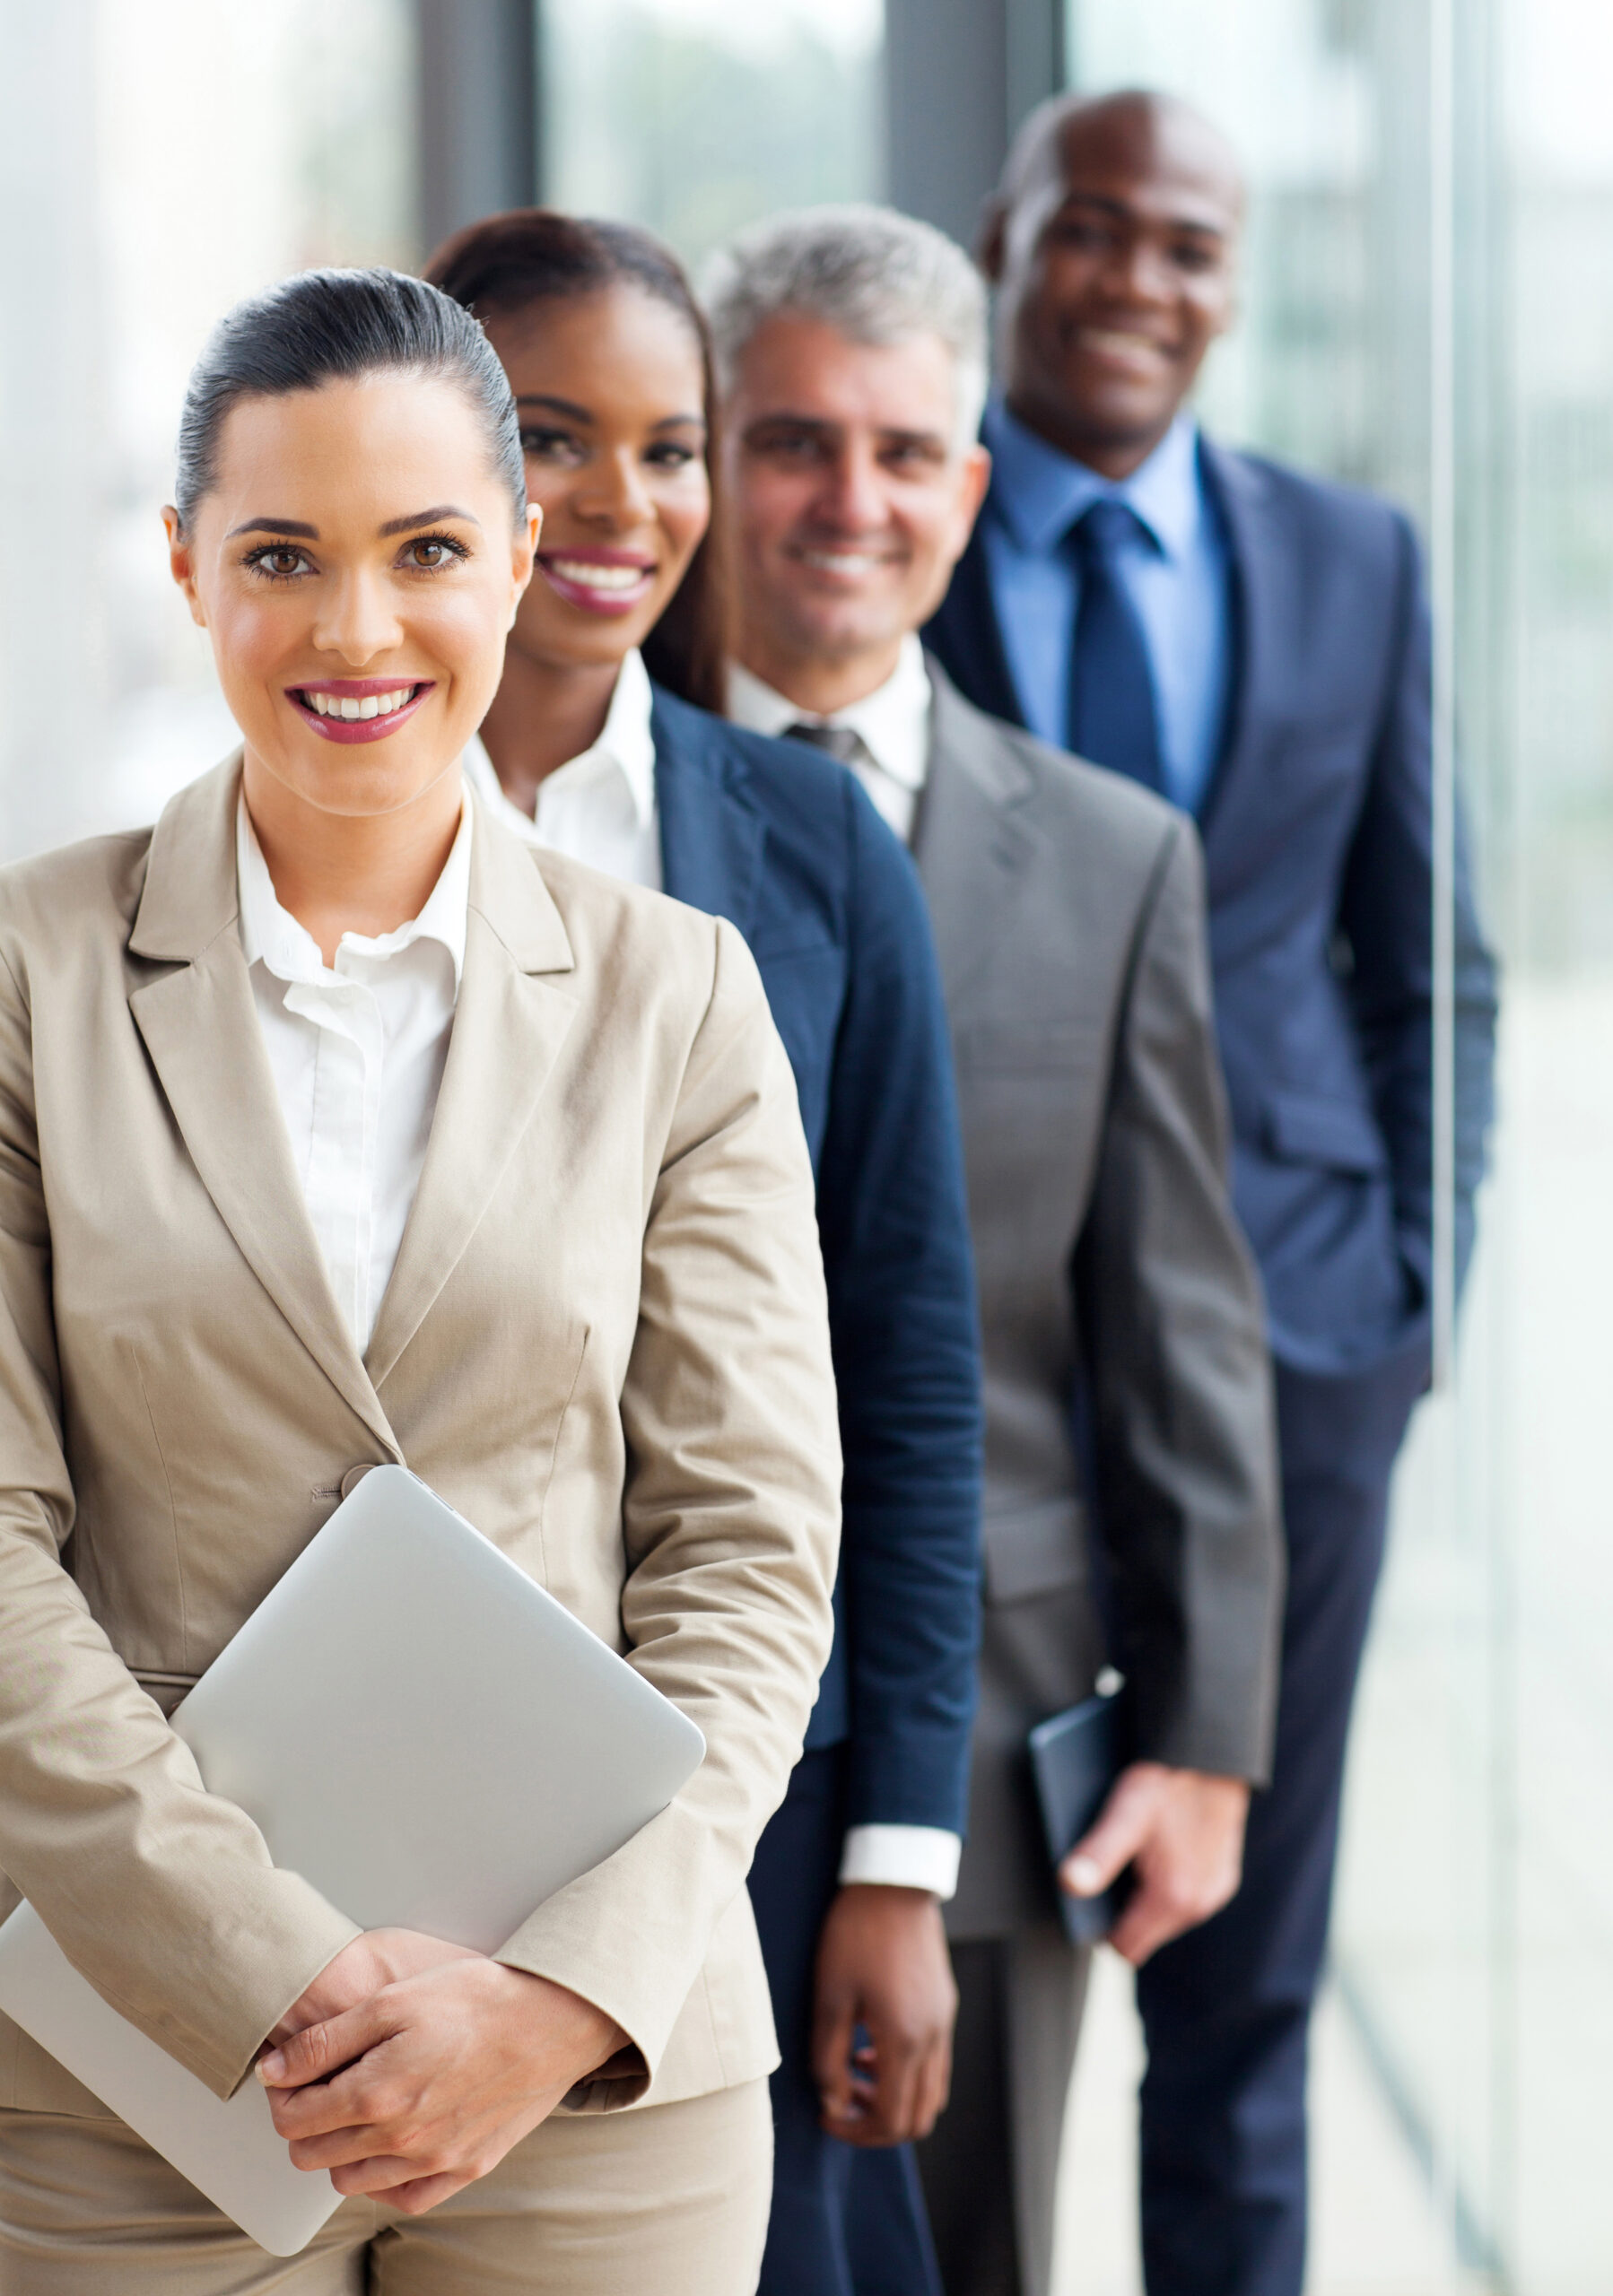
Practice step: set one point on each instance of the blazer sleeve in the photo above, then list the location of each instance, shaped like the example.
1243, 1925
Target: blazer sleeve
894, 1216
730, 1515
1386, 913
1188, 1512
101, 1805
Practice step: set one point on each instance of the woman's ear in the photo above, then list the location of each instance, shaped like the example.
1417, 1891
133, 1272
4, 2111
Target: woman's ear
181, 564
525, 549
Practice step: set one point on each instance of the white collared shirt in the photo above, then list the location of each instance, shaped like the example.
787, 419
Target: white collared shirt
893, 724
599, 808
357, 1051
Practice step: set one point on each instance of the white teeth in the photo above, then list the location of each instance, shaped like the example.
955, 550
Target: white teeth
1112, 338
593, 577
841, 561
371, 705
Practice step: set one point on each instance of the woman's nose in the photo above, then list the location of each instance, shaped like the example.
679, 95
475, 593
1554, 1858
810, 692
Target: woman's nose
618, 493
359, 621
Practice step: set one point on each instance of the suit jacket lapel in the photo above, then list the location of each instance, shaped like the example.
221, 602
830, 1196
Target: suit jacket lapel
968, 636
971, 849
1263, 607
711, 832
508, 1027
200, 1027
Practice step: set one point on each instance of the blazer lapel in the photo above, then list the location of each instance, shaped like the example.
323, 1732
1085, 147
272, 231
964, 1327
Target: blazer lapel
967, 636
508, 1027
1262, 613
200, 1027
711, 832
971, 849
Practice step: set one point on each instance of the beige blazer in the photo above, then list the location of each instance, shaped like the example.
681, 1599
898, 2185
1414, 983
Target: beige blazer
605, 1341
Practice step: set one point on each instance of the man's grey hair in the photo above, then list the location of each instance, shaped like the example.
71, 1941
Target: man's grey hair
873, 275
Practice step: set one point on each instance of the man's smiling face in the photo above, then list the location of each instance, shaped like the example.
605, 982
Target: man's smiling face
1113, 254
852, 494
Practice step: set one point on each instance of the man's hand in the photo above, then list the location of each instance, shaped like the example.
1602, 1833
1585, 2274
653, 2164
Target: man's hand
425, 2085
1183, 1831
882, 1963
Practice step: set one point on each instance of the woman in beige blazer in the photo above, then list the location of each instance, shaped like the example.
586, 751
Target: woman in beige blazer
336, 1127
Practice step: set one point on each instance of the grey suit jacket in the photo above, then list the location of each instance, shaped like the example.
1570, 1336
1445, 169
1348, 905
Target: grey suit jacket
1117, 1295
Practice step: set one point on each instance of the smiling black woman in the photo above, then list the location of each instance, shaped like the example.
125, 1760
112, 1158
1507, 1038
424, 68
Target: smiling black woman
609, 362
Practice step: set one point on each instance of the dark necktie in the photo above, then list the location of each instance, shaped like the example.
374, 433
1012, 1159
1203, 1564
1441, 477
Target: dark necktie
839, 740
1112, 715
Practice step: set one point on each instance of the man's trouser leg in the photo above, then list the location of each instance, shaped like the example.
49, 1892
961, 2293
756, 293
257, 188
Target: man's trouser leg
991, 2170
1226, 2009
792, 1885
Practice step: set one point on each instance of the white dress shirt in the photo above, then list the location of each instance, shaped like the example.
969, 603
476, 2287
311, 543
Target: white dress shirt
600, 809
357, 1051
891, 723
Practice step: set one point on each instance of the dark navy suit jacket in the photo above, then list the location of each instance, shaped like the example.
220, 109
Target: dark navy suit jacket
1318, 837
782, 841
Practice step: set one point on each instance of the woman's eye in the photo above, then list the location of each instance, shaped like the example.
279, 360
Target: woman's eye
278, 560
540, 445
429, 553
667, 457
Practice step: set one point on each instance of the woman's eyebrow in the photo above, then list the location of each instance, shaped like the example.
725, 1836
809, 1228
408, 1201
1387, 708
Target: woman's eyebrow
298, 526
428, 518
680, 422
566, 406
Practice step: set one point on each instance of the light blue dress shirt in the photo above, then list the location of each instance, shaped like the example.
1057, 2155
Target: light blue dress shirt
1178, 573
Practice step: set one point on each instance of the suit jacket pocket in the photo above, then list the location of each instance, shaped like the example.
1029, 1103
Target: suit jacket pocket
1035, 1550
1313, 1128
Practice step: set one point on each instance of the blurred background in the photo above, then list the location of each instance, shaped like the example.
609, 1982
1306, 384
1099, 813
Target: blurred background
1429, 310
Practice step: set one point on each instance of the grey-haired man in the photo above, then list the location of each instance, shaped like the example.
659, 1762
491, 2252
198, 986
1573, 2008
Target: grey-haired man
1132, 1506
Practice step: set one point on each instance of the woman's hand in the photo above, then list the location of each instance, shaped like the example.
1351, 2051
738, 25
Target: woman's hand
425, 2085
380, 1956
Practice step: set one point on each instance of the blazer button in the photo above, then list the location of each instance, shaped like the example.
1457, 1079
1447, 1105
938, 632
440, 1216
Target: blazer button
353, 1477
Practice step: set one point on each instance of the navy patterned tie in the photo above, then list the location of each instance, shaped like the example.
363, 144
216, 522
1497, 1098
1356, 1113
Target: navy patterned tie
1112, 715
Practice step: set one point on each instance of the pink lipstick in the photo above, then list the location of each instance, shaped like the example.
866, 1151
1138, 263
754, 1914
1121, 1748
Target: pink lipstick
599, 579
358, 709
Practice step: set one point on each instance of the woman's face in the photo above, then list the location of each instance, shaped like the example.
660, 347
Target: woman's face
357, 567
611, 397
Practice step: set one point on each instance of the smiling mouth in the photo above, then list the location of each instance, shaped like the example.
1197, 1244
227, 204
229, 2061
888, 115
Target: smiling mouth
600, 585
847, 565
1120, 343
352, 706
359, 709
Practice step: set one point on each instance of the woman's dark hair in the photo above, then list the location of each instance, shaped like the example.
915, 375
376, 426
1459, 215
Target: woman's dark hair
506, 263
326, 326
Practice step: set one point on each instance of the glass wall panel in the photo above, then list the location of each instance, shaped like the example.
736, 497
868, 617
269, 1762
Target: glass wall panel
694, 117
1429, 310
159, 162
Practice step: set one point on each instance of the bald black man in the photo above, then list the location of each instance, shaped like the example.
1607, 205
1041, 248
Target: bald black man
1254, 646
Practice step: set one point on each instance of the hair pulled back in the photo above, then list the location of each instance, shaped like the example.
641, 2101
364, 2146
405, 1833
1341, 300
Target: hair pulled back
509, 264
326, 326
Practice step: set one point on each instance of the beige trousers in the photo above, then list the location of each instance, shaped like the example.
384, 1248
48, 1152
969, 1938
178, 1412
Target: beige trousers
670, 2200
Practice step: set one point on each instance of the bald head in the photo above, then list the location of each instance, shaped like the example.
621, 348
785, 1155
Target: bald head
1112, 243
1134, 128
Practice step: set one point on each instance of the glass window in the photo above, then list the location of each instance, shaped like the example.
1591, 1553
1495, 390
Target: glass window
695, 116
1429, 310
158, 163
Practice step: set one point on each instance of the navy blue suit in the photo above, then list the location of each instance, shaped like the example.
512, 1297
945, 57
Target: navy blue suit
1317, 830
782, 841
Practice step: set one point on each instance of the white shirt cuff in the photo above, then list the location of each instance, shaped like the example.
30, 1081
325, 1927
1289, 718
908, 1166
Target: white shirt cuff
903, 1857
